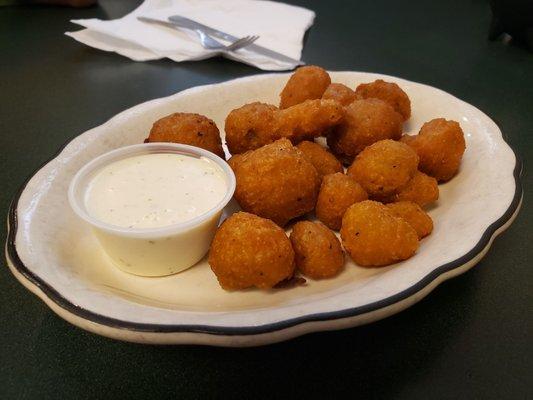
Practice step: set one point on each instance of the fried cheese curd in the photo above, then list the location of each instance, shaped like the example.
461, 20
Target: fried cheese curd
414, 215
337, 192
235, 160
373, 236
389, 92
185, 128
256, 124
340, 93
422, 189
324, 162
440, 144
365, 122
318, 252
307, 83
250, 127
384, 168
250, 251
308, 120
276, 182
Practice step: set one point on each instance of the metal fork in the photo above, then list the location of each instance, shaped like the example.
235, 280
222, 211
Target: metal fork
242, 42
211, 44
207, 41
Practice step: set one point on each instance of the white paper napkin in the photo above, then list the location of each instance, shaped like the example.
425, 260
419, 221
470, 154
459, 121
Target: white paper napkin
281, 27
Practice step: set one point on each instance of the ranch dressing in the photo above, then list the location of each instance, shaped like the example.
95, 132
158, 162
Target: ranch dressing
155, 190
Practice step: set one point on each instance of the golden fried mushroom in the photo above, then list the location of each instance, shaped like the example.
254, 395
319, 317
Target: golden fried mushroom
374, 236
421, 189
414, 215
317, 250
337, 193
234, 160
440, 144
389, 92
407, 139
308, 120
340, 93
365, 122
276, 182
250, 127
384, 167
250, 251
256, 124
324, 162
185, 128
307, 83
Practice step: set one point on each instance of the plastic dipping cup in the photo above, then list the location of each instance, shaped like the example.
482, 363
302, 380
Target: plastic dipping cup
156, 251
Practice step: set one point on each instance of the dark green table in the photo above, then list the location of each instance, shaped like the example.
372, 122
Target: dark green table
471, 338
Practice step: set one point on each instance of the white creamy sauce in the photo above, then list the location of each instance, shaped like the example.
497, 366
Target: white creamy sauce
155, 190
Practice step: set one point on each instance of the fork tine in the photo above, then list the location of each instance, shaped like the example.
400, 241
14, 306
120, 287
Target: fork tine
238, 43
243, 42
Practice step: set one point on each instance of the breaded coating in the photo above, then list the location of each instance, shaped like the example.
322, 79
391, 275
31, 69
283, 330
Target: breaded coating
389, 92
337, 193
340, 93
250, 251
384, 167
324, 162
317, 250
374, 236
307, 83
308, 120
365, 122
250, 127
235, 159
256, 124
440, 144
421, 189
276, 182
414, 215
185, 128
408, 139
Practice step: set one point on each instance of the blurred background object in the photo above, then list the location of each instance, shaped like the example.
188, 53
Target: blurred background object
512, 20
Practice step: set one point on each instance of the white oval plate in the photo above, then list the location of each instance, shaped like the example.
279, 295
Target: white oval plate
55, 256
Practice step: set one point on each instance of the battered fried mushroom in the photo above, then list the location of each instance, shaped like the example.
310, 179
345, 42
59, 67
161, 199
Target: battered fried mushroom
373, 236
276, 182
389, 92
421, 189
440, 144
250, 251
250, 127
337, 193
324, 162
308, 120
365, 122
384, 168
234, 160
192, 129
318, 252
414, 215
255, 125
340, 93
307, 83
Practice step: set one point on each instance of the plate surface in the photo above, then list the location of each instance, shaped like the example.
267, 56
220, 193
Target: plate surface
55, 255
